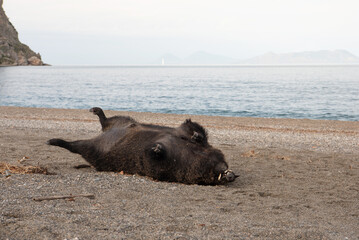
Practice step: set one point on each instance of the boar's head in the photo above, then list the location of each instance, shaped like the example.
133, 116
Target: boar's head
188, 157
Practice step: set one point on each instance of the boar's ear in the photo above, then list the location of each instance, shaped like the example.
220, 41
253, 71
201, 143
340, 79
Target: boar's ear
199, 134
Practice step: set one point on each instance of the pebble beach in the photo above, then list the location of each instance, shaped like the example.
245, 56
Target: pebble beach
299, 179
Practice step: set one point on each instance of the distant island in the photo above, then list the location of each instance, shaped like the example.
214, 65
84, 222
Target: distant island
12, 51
308, 57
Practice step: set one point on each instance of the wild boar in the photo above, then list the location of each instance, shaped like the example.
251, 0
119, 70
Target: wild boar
180, 154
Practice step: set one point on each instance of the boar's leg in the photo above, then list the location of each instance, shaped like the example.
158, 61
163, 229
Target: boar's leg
79, 147
88, 150
85, 148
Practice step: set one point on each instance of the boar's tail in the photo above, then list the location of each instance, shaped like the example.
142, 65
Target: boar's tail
101, 115
75, 147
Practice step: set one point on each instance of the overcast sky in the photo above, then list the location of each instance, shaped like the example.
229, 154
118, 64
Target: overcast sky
134, 31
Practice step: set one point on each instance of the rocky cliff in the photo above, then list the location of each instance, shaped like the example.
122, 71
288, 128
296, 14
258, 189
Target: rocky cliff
12, 51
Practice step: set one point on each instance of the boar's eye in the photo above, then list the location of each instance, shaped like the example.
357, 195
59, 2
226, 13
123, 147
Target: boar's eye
221, 167
184, 138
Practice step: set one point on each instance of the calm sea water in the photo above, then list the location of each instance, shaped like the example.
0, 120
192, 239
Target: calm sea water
314, 92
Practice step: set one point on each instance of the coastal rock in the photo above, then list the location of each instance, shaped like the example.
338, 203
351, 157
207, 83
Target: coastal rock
35, 61
12, 51
21, 59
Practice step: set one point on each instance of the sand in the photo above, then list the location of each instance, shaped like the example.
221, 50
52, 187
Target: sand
299, 179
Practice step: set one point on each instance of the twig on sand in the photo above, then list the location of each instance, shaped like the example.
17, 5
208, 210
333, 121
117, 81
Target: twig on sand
91, 196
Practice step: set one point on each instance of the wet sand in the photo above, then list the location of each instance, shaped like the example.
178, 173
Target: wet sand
299, 179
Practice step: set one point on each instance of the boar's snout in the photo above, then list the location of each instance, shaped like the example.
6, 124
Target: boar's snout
227, 176
230, 176
224, 174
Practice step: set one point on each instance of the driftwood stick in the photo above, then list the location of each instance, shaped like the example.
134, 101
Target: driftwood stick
91, 196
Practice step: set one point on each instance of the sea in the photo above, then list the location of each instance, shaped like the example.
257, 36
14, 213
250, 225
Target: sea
303, 92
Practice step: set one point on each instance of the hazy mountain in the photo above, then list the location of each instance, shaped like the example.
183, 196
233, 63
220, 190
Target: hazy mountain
309, 57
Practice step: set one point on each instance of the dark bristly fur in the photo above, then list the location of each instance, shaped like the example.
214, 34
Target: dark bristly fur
180, 154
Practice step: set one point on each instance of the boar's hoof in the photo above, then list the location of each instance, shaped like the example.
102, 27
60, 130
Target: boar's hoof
157, 148
56, 142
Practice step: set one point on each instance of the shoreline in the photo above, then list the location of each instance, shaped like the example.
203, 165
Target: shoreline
138, 113
278, 129
188, 114
298, 178
199, 65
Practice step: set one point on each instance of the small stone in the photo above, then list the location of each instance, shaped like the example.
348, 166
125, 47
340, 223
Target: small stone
7, 173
